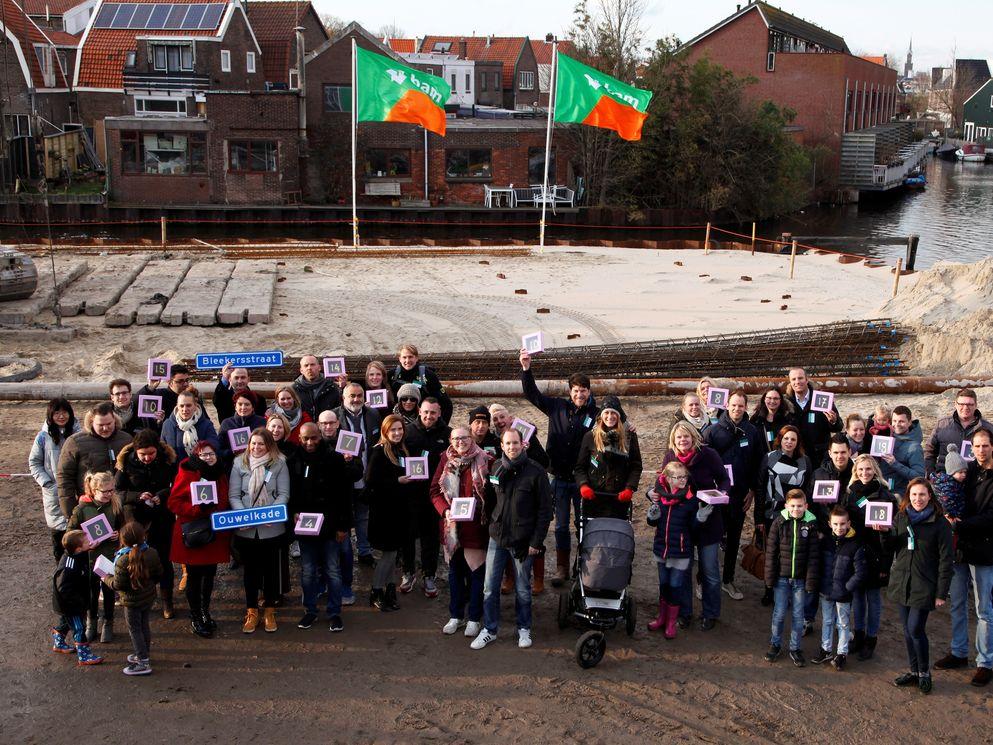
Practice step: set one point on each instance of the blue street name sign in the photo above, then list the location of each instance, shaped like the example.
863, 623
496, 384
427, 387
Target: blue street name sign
232, 519
216, 360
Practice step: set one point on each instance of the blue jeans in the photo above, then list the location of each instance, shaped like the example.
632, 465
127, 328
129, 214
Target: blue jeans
361, 510
710, 567
465, 587
346, 560
867, 609
810, 607
496, 561
918, 648
789, 594
982, 584
835, 614
320, 554
565, 494
670, 580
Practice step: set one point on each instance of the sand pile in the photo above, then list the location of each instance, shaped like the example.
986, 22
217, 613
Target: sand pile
949, 307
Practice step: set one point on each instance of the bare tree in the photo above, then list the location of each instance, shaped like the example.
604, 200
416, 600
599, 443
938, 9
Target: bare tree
332, 24
390, 31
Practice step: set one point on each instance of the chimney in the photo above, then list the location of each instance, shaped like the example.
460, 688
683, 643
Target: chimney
489, 40
463, 49
737, 7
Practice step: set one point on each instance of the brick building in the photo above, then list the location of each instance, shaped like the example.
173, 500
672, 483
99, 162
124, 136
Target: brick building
518, 83
802, 67
273, 22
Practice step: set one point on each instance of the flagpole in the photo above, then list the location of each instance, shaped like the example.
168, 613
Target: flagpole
548, 142
355, 100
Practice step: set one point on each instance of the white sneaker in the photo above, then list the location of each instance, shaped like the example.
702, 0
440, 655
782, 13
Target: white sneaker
699, 592
473, 628
484, 638
732, 592
406, 583
295, 550
452, 626
523, 638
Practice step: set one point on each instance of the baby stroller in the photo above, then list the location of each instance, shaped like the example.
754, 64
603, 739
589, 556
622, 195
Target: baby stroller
599, 597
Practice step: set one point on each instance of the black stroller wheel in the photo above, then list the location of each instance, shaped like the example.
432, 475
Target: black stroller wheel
590, 649
630, 615
565, 612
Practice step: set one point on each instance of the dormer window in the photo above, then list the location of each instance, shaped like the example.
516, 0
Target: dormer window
172, 57
44, 54
442, 47
129, 59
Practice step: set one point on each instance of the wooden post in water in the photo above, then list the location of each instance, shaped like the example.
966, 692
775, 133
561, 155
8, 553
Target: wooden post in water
163, 220
792, 258
753, 239
896, 279
912, 241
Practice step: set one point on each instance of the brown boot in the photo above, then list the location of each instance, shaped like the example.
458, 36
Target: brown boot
538, 575
251, 621
183, 579
269, 619
561, 568
168, 611
507, 586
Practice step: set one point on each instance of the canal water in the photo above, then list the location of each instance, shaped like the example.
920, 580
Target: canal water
953, 216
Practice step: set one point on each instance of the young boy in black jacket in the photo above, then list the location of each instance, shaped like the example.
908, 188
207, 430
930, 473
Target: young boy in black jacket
71, 597
843, 570
792, 569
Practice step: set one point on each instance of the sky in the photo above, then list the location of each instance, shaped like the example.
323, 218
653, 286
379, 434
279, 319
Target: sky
869, 26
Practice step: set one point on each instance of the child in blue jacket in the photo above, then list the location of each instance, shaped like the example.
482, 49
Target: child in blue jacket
671, 513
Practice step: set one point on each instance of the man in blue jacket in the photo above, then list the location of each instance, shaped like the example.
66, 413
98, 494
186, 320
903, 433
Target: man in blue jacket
907, 460
568, 420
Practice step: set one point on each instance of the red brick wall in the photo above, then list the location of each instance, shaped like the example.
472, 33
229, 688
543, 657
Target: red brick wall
153, 189
526, 62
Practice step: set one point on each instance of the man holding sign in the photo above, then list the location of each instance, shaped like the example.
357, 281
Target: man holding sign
354, 416
816, 427
235, 380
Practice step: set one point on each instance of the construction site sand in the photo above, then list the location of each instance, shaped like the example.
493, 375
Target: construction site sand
950, 309
463, 303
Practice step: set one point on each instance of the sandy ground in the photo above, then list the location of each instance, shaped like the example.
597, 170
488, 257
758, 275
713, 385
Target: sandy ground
457, 303
395, 678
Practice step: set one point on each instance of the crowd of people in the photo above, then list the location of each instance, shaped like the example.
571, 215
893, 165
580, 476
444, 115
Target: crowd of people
808, 477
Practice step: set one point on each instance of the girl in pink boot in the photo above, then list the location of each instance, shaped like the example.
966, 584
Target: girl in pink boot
671, 513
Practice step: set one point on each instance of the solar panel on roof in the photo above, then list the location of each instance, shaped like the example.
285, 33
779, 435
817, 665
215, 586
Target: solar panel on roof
158, 17
106, 15
123, 17
176, 15
194, 16
140, 17
212, 16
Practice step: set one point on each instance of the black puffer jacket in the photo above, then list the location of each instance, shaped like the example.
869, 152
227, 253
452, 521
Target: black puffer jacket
974, 530
740, 446
134, 478
843, 566
71, 584
567, 426
920, 576
322, 395
427, 380
815, 429
322, 482
822, 510
609, 470
793, 551
388, 502
521, 506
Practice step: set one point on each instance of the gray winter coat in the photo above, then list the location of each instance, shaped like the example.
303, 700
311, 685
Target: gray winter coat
43, 462
949, 430
84, 452
279, 491
909, 463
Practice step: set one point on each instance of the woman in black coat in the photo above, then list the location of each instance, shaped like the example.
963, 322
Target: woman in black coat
772, 413
388, 493
609, 465
921, 575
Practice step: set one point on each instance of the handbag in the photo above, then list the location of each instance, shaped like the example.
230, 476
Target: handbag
197, 533
753, 559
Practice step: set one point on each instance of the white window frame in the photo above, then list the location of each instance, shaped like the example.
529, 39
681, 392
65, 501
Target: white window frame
43, 53
454, 77
981, 133
225, 60
183, 46
180, 101
249, 62
770, 62
468, 82
526, 80
991, 102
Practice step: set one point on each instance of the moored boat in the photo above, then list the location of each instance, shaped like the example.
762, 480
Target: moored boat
970, 152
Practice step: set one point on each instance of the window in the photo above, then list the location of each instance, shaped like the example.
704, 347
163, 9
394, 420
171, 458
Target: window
252, 156
991, 102
442, 47
225, 60
129, 58
468, 82
981, 132
337, 98
527, 80
18, 125
496, 81
454, 86
536, 166
386, 163
172, 57
468, 164
294, 79
63, 60
770, 62
148, 106
429, 70
163, 153
482, 82
250, 61
44, 55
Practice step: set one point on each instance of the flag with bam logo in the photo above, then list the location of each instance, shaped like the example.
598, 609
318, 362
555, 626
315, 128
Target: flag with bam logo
387, 91
584, 95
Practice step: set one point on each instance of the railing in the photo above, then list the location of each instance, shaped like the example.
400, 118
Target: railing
161, 80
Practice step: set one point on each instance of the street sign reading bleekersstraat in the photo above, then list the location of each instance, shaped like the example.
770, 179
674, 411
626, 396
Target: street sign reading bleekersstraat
215, 360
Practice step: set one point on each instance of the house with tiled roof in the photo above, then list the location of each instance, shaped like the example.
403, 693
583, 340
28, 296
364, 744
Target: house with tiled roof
543, 55
70, 16
274, 23
518, 82
34, 92
401, 46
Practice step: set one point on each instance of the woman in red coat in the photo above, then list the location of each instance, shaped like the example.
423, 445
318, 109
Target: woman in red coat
463, 471
201, 561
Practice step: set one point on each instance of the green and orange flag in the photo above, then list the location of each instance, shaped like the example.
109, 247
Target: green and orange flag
387, 91
584, 95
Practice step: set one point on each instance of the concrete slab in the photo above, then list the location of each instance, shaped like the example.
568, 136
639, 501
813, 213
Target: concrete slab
249, 295
98, 291
146, 297
196, 300
24, 312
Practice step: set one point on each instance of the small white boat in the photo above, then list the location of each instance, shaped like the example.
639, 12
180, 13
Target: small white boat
970, 152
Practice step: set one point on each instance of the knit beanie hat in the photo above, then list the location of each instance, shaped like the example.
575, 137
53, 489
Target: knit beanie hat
480, 412
954, 462
613, 403
409, 390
